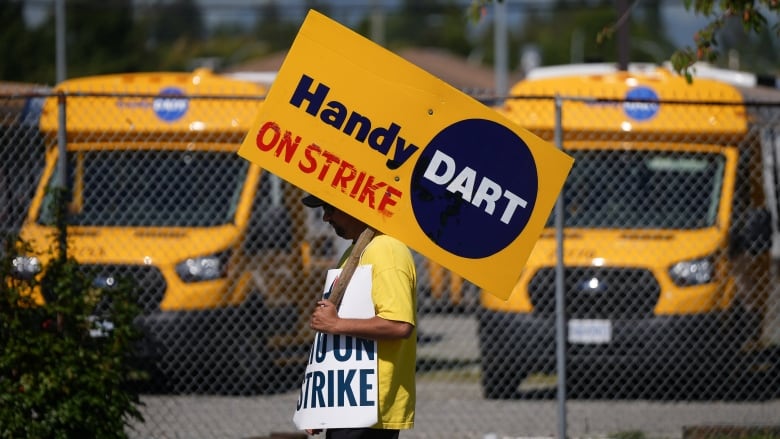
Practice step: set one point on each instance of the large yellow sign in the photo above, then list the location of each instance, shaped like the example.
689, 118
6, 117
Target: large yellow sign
406, 153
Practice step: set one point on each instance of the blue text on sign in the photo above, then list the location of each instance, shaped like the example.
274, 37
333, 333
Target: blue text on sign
386, 141
336, 388
345, 348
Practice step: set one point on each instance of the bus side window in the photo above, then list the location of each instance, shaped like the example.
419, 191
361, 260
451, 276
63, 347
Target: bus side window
270, 225
751, 227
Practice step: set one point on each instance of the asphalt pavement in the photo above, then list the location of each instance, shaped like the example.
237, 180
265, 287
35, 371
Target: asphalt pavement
450, 405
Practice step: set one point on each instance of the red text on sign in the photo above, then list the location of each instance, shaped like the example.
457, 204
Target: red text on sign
329, 168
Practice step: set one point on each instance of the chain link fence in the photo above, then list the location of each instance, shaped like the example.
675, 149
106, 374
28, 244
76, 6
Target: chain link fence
21, 153
670, 290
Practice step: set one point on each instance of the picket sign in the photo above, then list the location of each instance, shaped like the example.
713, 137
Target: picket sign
340, 387
407, 154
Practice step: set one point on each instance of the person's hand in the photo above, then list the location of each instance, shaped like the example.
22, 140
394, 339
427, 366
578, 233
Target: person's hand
313, 431
325, 317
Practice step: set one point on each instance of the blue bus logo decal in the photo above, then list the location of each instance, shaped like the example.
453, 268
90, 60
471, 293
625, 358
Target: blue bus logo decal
641, 110
170, 105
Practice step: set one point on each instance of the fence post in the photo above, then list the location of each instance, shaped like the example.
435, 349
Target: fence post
61, 185
560, 294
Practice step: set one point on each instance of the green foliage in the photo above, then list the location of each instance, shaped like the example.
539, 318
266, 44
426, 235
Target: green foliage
23, 49
65, 367
125, 36
429, 23
178, 20
272, 30
752, 14
475, 8
631, 434
720, 13
580, 21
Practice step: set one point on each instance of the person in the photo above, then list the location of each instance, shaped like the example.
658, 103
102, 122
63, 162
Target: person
394, 327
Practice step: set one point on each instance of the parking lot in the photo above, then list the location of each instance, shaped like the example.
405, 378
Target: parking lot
450, 405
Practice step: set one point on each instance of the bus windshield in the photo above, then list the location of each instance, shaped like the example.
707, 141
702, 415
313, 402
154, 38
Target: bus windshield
642, 189
150, 188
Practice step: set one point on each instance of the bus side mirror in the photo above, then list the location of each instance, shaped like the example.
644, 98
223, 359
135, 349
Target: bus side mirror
754, 233
269, 229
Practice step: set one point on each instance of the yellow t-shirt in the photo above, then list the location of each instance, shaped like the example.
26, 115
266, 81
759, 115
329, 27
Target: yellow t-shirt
394, 291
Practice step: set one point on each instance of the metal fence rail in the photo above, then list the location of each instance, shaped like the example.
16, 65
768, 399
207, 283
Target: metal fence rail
228, 264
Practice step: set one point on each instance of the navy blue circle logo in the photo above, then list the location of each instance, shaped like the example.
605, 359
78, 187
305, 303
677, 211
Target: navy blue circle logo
641, 110
170, 105
474, 188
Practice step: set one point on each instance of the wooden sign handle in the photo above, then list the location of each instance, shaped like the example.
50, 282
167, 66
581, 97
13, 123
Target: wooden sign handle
350, 265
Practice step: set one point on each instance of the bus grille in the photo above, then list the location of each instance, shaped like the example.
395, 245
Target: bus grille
597, 292
149, 282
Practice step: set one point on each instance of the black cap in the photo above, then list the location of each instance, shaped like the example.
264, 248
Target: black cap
312, 201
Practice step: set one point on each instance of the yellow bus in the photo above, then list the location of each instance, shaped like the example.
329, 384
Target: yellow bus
21, 156
666, 234
159, 195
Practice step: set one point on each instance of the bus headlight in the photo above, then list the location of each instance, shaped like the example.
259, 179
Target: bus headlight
25, 267
693, 272
203, 268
